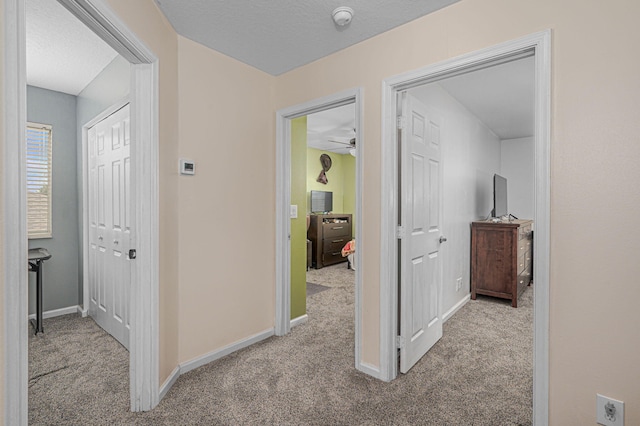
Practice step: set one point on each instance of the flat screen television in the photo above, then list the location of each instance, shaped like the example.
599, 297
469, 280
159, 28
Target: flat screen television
321, 201
500, 207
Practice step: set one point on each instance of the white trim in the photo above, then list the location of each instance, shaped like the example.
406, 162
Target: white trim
168, 384
299, 320
15, 217
144, 346
59, 312
219, 353
447, 315
369, 369
283, 196
540, 43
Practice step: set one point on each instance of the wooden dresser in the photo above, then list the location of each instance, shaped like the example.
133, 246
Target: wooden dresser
501, 258
328, 233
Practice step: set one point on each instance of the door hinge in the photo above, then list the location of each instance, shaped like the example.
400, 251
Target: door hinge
400, 122
399, 342
132, 254
400, 232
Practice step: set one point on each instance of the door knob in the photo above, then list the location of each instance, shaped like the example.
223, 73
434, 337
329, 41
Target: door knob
100, 238
115, 241
442, 239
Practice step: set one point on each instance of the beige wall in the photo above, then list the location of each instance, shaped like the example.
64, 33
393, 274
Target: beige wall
227, 218
146, 20
594, 339
217, 228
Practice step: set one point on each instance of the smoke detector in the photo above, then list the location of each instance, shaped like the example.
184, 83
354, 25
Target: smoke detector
342, 15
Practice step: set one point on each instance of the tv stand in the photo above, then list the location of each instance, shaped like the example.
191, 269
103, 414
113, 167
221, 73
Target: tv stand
501, 258
328, 233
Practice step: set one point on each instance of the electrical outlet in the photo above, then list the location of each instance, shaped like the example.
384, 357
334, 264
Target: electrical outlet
458, 284
609, 411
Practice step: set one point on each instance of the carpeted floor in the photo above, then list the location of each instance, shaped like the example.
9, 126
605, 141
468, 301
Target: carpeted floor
313, 288
479, 373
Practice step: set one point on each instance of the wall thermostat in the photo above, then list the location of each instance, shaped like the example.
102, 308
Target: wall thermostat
187, 167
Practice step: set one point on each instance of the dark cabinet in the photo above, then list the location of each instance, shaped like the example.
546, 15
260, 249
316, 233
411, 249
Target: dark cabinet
501, 258
328, 234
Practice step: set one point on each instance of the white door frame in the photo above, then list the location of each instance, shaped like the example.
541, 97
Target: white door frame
540, 44
144, 352
283, 201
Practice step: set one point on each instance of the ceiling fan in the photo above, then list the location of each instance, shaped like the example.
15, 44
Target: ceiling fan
347, 142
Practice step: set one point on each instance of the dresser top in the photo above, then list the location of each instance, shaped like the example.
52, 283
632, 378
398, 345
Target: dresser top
514, 222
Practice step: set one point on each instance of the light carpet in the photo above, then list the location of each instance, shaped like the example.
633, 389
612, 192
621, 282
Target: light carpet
479, 373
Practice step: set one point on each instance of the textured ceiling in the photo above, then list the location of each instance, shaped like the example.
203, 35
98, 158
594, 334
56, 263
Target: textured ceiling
62, 53
279, 35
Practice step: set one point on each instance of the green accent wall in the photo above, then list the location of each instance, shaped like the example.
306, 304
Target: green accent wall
341, 180
299, 225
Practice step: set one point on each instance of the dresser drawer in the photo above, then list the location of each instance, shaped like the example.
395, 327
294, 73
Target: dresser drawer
332, 230
335, 244
523, 247
331, 258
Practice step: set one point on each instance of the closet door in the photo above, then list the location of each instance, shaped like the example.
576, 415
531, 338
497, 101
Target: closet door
110, 224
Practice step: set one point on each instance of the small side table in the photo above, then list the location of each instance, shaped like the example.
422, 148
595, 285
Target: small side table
36, 257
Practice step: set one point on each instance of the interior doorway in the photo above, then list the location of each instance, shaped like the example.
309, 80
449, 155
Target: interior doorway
283, 205
538, 46
325, 192
144, 293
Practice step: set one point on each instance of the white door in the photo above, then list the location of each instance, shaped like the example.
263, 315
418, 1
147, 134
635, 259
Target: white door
110, 223
420, 215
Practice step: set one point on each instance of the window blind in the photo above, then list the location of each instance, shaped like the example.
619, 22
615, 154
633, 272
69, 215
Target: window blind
39, 180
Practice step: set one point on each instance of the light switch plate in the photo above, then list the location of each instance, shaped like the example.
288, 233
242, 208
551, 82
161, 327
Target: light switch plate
293, 213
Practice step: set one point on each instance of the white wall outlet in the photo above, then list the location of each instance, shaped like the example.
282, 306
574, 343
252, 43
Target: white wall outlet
293, 212
458, 284
609, 411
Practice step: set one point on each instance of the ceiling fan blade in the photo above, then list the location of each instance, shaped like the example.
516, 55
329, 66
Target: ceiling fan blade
346, 142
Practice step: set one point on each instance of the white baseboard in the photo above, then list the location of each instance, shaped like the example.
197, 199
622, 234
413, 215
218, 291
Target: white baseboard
58, 312
369, 369
299, 320
169, 382
456, 307
217, 354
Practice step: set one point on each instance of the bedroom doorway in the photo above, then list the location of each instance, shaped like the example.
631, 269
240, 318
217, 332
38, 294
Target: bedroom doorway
292, 212
101, 19
538, 46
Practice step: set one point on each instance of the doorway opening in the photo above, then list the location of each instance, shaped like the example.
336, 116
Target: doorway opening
537, 45
323, 183
144, 158
284, 211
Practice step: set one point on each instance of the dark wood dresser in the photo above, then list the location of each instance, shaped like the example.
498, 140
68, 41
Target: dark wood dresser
328, 233
501, 258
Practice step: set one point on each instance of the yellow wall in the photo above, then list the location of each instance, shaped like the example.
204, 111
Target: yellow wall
341, 180
299, 225
595, 93
335, 177
227, 223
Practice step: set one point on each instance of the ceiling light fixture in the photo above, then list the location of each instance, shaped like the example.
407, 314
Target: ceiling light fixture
342, 15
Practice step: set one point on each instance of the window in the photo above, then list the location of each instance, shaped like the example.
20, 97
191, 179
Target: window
39, 180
